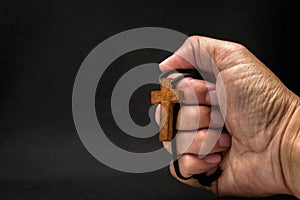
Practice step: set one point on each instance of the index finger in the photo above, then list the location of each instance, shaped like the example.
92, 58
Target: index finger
203, 53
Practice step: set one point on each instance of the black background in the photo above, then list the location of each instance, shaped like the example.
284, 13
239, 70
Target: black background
43, 44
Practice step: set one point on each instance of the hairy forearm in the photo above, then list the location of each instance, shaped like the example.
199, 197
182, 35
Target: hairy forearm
290, 151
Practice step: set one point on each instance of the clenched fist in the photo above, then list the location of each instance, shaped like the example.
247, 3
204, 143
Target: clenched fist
261, 144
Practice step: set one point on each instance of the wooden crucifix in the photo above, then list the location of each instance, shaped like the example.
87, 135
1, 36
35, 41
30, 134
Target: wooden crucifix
167, 97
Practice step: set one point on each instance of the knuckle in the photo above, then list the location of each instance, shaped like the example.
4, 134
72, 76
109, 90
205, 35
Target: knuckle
192, 41
236, 47
201, 134
198, 85
193, 38
186, 164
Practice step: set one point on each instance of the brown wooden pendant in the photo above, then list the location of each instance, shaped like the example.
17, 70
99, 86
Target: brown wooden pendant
167, 97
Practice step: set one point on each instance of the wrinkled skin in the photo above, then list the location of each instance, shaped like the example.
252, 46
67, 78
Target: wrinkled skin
258, 110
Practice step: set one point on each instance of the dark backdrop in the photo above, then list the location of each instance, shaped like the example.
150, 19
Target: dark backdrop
43, 44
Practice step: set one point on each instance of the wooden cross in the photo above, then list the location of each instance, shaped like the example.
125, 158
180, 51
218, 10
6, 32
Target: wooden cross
167, 97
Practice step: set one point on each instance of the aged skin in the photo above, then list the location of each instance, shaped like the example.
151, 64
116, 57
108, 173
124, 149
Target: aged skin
262, 146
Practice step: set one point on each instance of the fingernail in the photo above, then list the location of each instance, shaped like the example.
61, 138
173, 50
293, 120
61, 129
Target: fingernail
225, 140
212, 159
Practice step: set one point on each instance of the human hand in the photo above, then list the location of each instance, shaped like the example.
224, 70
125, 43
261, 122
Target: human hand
259, 116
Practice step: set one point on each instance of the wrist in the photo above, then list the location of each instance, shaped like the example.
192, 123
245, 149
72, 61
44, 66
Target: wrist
290, 151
